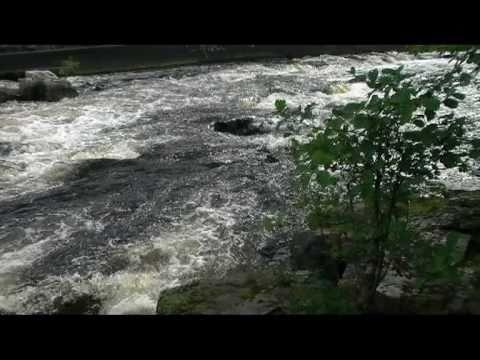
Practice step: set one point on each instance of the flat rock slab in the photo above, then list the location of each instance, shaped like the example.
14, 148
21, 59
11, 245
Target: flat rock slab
251, 292
241, 293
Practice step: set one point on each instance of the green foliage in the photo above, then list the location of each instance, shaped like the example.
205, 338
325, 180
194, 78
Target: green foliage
280, 106
370, 159
439, 267
320, 300
68, 67
424, 206
273, 223
292, 116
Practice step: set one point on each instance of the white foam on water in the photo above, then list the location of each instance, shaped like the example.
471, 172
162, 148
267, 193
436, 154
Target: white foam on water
456, 180
51, 138
71, 130
199, 240
35, 246
10, 261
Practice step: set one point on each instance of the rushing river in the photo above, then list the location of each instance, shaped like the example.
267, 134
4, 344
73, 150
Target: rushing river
126, 190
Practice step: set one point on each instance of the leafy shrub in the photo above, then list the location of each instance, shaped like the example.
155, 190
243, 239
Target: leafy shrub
371, 158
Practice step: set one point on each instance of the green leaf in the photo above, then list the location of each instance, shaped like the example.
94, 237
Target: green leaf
428, 134
348, 110
459, 96
475, 143
412, 135
321, 157
280, 105
375, 103
352, 108
451, 103
449, 160
405, 106
465, 79
362, 121
325, 179
430, 114
452, 240
431, 103
373, 75
475, 151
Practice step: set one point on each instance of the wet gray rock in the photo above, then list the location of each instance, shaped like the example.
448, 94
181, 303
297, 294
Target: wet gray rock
270, 248
311, 251
240, 127
241, 293
46, 90
460, 213
41, 75
44, 86
77, 304
271, 159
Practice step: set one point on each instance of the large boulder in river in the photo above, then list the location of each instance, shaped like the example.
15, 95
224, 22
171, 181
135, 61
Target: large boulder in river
44, 86
242, 127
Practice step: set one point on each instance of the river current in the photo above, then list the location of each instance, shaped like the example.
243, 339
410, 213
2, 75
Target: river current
126, 190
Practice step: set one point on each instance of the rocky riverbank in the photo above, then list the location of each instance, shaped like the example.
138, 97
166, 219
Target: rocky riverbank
313, 282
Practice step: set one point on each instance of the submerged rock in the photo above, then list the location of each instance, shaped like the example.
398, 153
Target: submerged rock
271, 159
39, 90
241, 127
155, 258
5, 148
336, 88
78, 304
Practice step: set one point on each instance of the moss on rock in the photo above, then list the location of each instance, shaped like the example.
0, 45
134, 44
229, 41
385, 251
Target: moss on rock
258, 292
